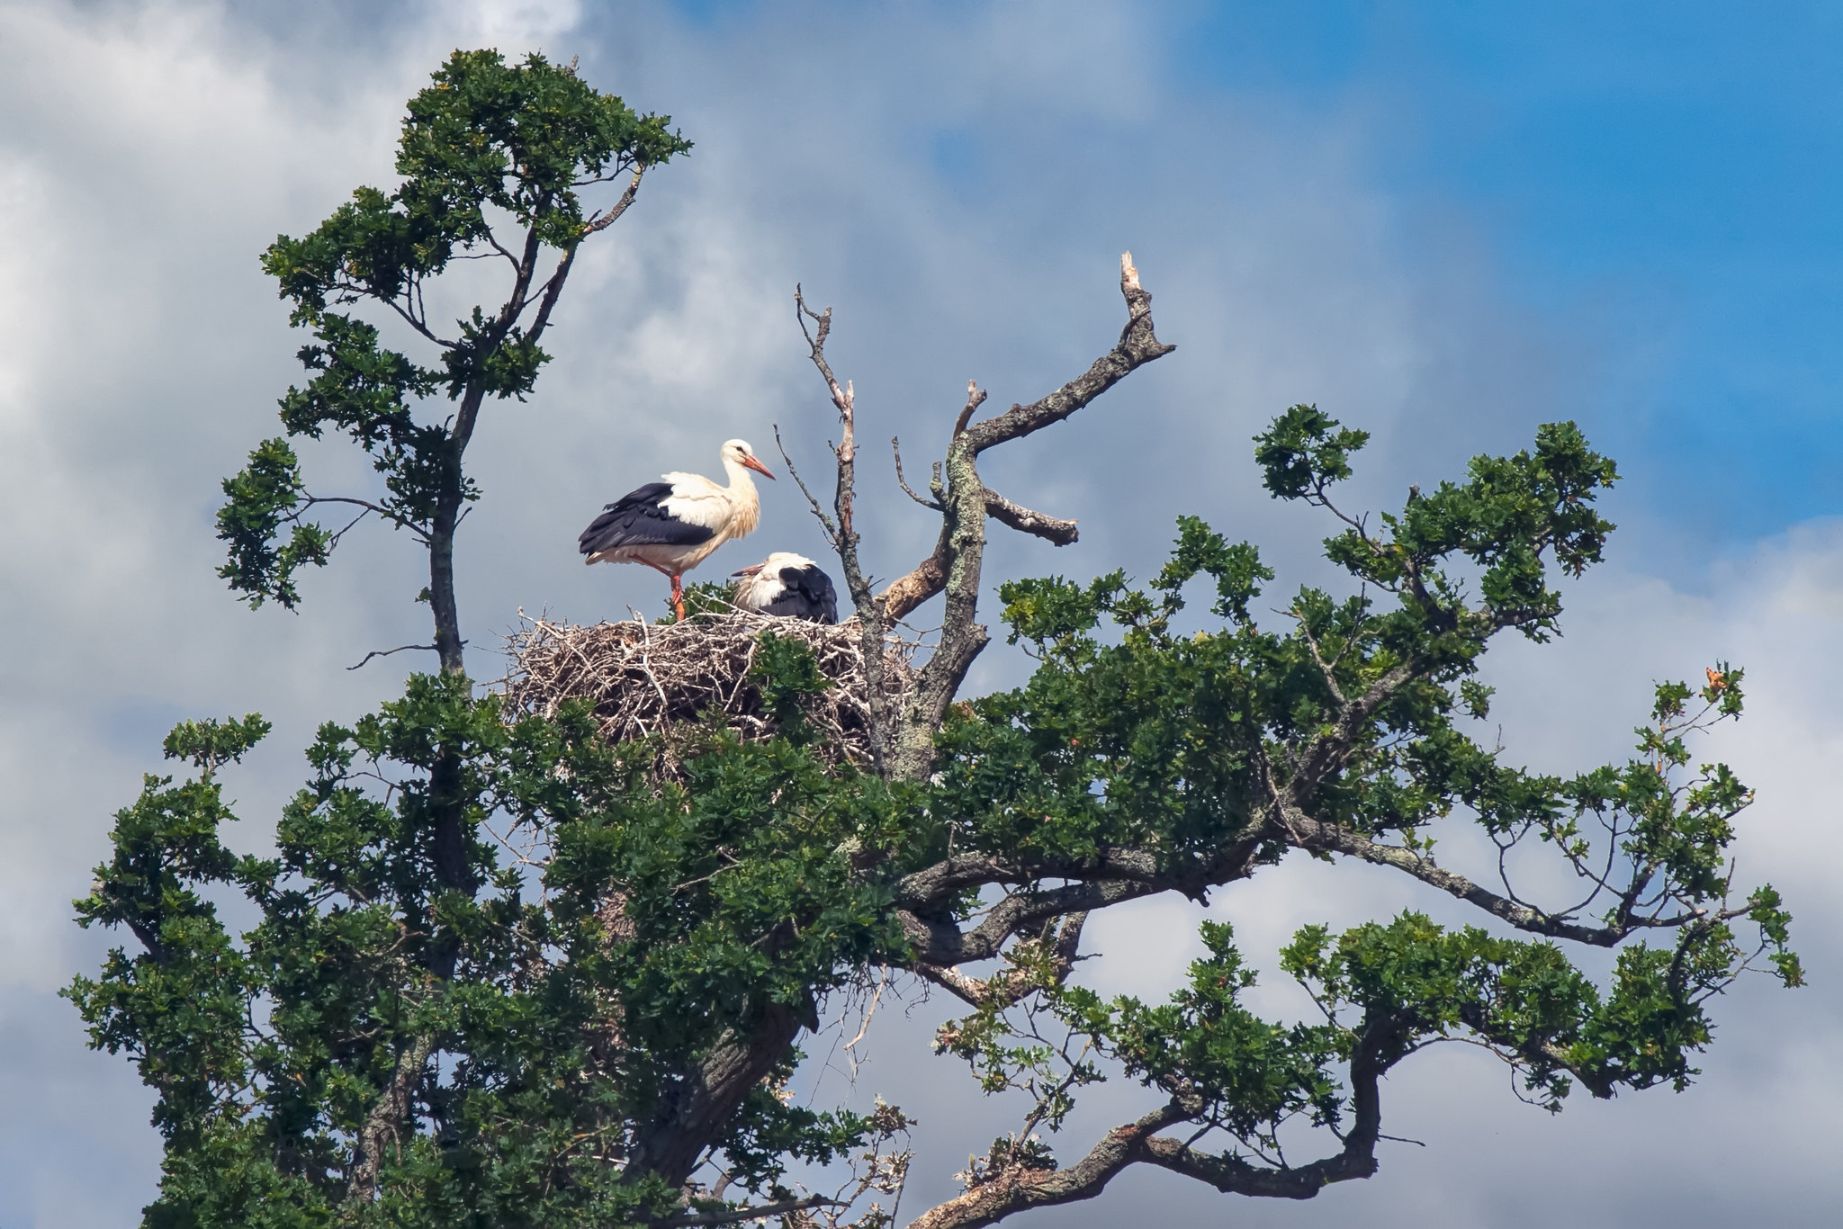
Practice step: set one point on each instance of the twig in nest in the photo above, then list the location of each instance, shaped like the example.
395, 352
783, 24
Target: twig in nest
643, 679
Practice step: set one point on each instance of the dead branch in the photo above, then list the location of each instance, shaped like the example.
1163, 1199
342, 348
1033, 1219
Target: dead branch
1012, 986
1138, 345
872, 615
844, 399
942, 943
402, 648
605, 220
964, 501
793, 471
1050, 528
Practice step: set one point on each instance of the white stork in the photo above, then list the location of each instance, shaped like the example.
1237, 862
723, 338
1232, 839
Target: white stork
789, 585
672, 525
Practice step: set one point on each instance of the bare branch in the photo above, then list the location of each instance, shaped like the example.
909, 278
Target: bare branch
1024, 520
408, 316
402, 648
975, 397
927, 578
1119, 875
1318, 836
973, 991
546, 296
825, 522
1012, 986
955, 874
604, 220
1015, 1189
1137, 346
844, 399
367, 507
493, 242
871, 611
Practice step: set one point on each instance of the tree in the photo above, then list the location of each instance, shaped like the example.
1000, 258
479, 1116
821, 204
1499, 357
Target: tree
420, 1030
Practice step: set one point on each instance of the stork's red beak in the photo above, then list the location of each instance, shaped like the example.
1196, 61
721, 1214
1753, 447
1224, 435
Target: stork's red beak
751, 570
749, 462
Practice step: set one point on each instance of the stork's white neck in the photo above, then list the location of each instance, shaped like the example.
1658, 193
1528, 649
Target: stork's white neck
743, 498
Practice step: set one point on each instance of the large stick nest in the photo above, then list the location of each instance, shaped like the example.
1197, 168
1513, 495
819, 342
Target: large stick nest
647, 679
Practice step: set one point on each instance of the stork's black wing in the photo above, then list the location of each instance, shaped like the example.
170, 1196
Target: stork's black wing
638, 518
806, 593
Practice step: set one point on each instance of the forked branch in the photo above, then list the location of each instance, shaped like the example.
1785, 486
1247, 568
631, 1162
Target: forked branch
1137, 346
1019, 1188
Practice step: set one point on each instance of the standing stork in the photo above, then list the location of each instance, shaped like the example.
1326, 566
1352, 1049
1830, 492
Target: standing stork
673, 524
789, 585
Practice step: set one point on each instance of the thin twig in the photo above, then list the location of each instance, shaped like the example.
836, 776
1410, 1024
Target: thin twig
903, 482
825, 522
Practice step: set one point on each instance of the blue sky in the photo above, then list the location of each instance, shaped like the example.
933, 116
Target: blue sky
1675, 168
1671, 173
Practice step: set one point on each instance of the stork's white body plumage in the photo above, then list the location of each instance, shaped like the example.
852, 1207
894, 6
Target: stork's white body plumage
674, 524
789, 585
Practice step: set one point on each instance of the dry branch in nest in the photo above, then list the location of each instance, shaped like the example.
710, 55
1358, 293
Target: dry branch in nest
646, 679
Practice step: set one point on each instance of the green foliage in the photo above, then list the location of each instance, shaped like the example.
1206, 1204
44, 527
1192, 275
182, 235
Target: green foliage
1305, 451
661, 922
261, 500
1510, 514
1158, 738
487, 146
1146, 738
1248, 1074
788, 675
702, 597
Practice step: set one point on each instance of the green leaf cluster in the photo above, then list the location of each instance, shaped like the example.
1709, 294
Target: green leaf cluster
493, 163
579, 994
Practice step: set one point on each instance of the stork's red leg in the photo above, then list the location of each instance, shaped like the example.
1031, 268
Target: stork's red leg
678, 595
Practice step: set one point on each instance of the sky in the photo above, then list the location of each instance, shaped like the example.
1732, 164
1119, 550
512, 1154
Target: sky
1444, 223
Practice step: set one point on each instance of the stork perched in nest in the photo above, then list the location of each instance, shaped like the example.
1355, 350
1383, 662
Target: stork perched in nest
789, 585
673, 525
